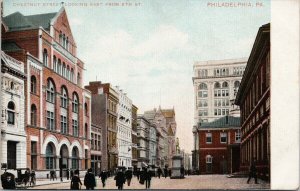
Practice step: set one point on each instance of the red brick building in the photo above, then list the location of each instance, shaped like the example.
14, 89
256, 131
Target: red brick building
57, 117
253, 98
219, 146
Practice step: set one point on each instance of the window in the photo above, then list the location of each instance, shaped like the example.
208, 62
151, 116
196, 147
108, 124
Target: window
64, 40
203, 103
68, 72
208, 138
75, 158
225, 85
72, 75
50, 91
86, 130
45, 57
217, 85
202, 86
63, 124
33, 115
203, 113
59, 66
54, 64
236, 84
33, 84
50, 162
86, 109
202, 93
33, 155
60, 37
64, 98
238, 136
11, 113
64, 70
223, 137
75, 103
50, 120
78, 79
208, 159
67, 43
75, 128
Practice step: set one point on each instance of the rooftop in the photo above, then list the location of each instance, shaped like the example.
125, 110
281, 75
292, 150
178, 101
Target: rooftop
223, 122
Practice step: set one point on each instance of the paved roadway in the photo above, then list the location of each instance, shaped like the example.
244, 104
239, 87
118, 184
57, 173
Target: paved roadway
190, 182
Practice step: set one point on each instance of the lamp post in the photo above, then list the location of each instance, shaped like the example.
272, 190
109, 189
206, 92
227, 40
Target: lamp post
1, 124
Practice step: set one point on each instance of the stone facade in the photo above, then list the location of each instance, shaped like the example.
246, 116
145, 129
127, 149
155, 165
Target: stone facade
143, 126
13, 136
134, 137
215, 85
124, 126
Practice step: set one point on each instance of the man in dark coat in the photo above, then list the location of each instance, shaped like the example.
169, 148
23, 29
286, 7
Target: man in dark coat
120, 179
165, 172
89, 180
103, 176
128, 175
252, 171
75, 181
159, 172
147, 177
182, 171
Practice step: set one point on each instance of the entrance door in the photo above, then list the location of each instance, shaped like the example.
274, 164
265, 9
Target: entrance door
11, 155
64, 157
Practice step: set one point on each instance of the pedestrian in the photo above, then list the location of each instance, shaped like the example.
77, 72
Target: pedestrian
32, 178
68, 174
159, 172
182, 171
89, 180
165, 172
120, 179
8, 181
103, 176
252, 171
128, 175
72, 174
75, 181
52, 172
147, 177
138, 173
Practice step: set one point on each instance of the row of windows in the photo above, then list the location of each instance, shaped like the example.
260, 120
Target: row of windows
219, 112
221, 93
63, 40
221, 102
221, 72
61, 68
95, 142
223, 137
217, 85
238, 70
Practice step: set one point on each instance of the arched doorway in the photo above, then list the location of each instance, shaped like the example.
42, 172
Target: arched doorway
64, 157
50, 156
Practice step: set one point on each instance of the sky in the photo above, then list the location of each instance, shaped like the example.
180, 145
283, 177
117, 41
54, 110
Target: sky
148, 48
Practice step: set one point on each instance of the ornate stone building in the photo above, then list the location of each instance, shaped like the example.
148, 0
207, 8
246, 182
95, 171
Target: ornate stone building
13, 135
57, 116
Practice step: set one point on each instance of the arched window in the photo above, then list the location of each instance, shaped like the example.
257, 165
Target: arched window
59, 67
86, 109
72, 75
45, 57
33, 84
11, 113
54, 64
203, 86
12, 86
50, 91
217, 85
75, 103
68, 72
64, 70
33, 115
75, 158
225, 85
78, 78
64, 40
64, 98
50, 156
67, 43
236, 84
86, 130
60, 37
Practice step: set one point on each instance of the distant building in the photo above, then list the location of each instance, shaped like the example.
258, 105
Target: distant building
219, 146
124, 127
134, 137
253, 98
13, 135
143, 126
215, 86
152, 144
104, 116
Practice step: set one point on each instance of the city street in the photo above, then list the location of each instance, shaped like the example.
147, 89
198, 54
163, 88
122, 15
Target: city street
190, 182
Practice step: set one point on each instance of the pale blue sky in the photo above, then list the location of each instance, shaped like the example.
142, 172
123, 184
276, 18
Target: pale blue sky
149, 50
